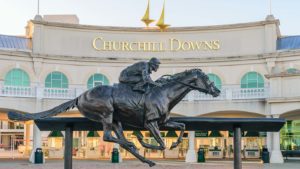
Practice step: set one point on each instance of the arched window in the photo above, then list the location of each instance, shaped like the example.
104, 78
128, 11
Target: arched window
292, 70
96, 80
56, 80
215, 79
17, 77
252, 80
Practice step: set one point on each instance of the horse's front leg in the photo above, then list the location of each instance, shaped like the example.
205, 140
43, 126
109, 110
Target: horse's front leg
118, 129
175, 125
154, 130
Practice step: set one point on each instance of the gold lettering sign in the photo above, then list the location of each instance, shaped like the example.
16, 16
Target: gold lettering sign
173, 45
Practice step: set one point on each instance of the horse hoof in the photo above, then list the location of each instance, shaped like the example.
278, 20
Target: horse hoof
151, 164
173, 146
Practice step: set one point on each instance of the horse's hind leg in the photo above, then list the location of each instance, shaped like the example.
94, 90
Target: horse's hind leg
107, 135
154, 130
137, 155
118, 129
107, 123
130, 147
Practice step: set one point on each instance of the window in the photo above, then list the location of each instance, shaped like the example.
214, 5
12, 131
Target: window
96, 80
215, 79
56, 80
290, 135
292, 70
17, 77
252, 80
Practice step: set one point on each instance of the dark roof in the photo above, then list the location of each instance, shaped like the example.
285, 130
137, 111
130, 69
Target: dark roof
289, 42
15, 42
191, 123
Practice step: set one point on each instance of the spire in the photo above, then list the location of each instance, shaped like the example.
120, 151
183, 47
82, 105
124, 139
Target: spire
270, 7
161, 22
38, 17
146, 19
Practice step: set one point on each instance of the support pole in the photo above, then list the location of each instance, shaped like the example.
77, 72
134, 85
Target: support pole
68, 147
237, 148
191, 156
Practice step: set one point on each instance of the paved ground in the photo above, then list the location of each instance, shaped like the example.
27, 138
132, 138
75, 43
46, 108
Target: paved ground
133, 164
289, 164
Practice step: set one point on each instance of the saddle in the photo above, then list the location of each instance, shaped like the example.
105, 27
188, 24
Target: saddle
123, 93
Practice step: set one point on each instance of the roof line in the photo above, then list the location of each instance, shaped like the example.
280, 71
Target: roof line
172, 29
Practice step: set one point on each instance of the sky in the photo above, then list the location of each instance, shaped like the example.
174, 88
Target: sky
14, 14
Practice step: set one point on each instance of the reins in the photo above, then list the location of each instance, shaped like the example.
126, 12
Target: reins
191, 86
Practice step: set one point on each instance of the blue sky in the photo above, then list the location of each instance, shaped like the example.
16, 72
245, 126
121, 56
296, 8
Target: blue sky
14, 14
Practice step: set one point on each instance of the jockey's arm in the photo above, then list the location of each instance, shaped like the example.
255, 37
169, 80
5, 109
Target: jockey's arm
147, 78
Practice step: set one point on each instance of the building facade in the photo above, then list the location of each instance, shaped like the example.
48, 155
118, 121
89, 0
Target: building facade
254, 66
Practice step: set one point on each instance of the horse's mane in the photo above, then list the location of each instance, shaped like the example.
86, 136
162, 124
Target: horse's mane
168, 78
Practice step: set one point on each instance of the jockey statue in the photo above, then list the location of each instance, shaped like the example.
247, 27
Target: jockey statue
138, 75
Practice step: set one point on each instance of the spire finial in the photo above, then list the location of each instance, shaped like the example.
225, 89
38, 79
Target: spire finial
38, 7
146, 18
38, 17
161, 22
270, 6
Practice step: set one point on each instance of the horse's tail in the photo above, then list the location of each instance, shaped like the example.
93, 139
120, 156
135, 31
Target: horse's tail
19, 116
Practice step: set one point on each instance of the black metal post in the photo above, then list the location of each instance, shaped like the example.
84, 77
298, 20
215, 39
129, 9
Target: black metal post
237, 148
68, 147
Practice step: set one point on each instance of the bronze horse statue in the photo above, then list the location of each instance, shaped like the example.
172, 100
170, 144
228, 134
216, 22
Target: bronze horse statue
118, 104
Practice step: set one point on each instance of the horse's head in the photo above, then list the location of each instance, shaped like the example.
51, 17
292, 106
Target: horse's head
203, 84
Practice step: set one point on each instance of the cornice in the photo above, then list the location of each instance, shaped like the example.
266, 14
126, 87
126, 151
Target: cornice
283, 99
171, 29
282, 74
14, 52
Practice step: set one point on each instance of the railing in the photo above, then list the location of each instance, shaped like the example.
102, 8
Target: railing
59, 93
250, 93
55, 93
18, 91
231, 93
227, 93
196, 95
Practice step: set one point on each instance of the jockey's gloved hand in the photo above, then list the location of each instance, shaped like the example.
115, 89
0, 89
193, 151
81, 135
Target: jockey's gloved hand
156, 84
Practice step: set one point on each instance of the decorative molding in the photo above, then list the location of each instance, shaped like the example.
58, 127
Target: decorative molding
172, 29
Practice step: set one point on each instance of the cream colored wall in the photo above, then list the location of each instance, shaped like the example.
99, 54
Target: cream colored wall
80, 70
244, 48
72, 40
200, 108
18, 104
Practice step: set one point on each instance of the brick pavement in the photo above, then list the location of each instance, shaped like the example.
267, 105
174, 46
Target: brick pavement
134, 164
127, 164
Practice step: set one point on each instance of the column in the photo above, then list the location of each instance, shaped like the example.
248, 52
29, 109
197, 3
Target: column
68, 148
37, 142
37, 138
269, 138
27, 138
237, 137
276, 155
191, 153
